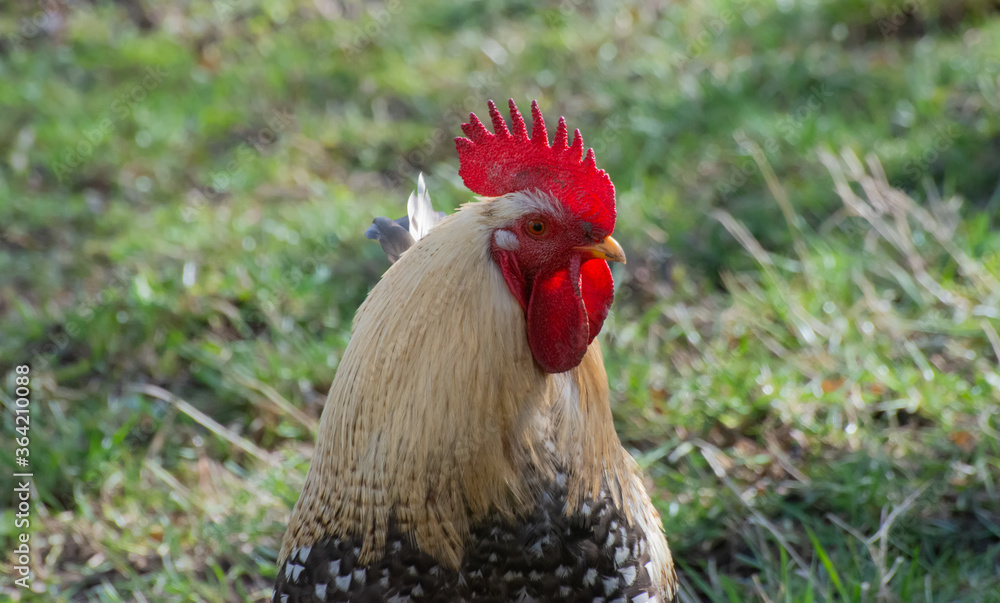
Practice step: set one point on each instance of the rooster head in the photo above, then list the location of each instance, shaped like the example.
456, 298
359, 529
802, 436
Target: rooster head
554, 248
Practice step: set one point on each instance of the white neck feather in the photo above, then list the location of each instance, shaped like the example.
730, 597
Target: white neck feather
427, 413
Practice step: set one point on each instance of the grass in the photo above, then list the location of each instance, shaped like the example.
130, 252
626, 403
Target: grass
804, 346
839, 432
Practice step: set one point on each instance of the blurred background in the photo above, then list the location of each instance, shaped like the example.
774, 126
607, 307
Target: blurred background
803, 349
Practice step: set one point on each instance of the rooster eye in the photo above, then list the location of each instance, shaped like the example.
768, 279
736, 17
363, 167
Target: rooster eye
537, 227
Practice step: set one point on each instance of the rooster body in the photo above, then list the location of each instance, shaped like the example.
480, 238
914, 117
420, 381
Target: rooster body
459, 459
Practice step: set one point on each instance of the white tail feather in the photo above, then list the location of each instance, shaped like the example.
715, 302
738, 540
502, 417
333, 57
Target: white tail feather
421, 212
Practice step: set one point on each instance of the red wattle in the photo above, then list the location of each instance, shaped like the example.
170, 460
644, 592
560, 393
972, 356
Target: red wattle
564, 310
558, 326
598, 290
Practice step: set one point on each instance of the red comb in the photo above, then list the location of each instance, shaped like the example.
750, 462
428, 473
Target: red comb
496, 164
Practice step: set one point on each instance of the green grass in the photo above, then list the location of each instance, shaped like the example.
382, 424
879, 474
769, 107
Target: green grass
803, 350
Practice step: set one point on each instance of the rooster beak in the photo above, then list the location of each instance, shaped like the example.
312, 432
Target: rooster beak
608, 249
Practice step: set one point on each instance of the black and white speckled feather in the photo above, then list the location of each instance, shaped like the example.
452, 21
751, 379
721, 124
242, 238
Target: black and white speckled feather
592, 555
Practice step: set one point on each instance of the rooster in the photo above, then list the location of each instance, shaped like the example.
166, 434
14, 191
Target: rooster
467, 451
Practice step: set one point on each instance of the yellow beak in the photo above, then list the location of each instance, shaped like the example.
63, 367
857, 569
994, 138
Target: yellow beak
608, 249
